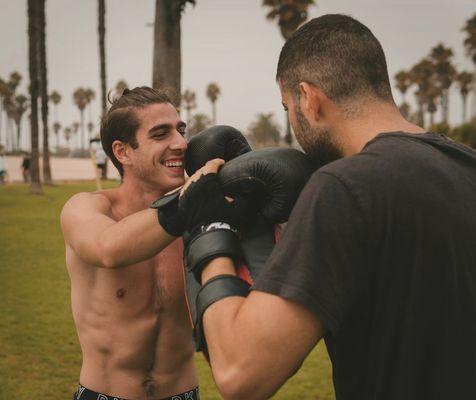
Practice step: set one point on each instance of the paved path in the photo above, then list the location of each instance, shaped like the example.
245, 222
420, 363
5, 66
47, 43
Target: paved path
62, 169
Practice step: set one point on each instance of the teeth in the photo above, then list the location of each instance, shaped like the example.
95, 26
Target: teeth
173, 163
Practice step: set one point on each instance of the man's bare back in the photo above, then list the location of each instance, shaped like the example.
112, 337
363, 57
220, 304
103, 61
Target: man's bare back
132, 321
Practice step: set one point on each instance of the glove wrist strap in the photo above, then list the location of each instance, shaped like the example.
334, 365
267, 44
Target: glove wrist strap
215, 240
217, 288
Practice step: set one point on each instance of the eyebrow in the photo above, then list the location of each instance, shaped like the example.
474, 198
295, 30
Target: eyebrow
166, 126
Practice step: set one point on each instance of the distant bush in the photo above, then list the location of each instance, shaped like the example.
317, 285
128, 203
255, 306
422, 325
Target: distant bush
465, 133
442, 128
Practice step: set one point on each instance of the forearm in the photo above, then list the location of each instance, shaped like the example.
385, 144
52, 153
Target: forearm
243, 364
131, 240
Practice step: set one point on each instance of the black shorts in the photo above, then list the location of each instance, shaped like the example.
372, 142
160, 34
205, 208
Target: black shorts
85, 394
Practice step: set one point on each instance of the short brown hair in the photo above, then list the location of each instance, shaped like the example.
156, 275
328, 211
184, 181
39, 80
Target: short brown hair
339, 55
121, 122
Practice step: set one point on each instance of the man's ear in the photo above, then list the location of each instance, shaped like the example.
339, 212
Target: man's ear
121, 151
310, 101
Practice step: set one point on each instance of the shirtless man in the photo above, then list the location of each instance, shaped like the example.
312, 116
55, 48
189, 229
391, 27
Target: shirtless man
125, 269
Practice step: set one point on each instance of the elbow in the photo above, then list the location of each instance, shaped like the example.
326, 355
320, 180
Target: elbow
235, 383
109, 255
231, 384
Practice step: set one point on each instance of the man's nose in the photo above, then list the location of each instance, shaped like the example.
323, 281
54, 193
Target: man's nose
178, 142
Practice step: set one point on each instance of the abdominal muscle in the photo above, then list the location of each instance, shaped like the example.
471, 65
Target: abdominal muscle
133, 327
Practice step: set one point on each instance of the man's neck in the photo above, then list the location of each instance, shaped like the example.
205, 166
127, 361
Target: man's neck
379, 117
134, 195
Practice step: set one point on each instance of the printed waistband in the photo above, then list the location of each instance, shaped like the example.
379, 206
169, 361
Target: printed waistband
85, 394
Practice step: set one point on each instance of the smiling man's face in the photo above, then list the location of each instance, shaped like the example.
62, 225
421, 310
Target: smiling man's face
159, 158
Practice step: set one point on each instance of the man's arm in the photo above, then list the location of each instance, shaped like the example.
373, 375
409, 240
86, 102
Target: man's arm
99, 240
256, 343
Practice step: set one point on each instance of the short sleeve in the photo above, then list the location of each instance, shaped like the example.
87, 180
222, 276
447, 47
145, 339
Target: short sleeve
320, 259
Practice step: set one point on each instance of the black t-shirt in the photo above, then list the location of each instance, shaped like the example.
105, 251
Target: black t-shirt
381, 246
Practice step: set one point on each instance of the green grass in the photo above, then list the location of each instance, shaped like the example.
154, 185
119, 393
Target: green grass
39, 351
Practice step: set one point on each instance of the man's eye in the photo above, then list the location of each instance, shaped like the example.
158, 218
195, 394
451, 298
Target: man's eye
159, 135
285, 108
182, 130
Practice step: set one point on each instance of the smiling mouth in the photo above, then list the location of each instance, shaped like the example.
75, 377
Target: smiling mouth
172, 163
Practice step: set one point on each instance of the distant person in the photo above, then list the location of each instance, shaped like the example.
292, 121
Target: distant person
101, 161
127, 293
99, 157
3, 167
25, 167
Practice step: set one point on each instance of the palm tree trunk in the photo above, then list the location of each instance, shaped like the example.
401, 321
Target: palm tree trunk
8, 135
18, 133
444, 106
102, 52
474, 98
214, 112
1, 120
44, 90
167, 48
82, 132
465, 99
102, 58
35, 186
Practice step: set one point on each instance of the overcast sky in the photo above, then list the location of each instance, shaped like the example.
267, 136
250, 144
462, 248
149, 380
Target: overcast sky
225, 41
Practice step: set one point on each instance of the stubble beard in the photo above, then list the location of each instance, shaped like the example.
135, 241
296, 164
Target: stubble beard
316, 142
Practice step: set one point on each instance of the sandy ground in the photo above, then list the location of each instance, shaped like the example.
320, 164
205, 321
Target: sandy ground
62, 169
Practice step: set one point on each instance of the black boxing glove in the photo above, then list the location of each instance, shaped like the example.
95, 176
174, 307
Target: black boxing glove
270, 178
219, 141
168, 214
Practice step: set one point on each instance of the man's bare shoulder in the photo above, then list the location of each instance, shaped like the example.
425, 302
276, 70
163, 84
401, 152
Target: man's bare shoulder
84, 201
85, 206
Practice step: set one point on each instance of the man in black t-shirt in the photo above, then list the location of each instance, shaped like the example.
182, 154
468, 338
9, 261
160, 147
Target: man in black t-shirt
379, 255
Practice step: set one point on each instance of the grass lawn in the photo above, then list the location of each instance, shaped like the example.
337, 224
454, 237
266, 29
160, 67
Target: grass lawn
39, 351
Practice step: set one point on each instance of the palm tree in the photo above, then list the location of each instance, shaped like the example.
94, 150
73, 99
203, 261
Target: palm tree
56, 130
90, 95
55, 98
264, 131
67, 136
90, 127
465, 82
445, 74
80, 99
35, 186
167, 61
20, 108
422, 75
102, 53
470, 45
121, 85
75, 129
198, 123
9, 107
213, 91
44, 90
290, 14
8, 89
3, 93
15, 79
432, 94
403, 82
189, 103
